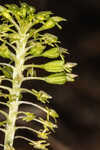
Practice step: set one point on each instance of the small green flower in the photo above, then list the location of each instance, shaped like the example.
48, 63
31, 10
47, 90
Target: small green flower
5, 52
29, 117
7, 71
41, 144
51, 22
49, 39
5, 28
3, 123
37, 49
52, 113
12, 7
31, 72
2, 9
41, 96
43, 133
7, 15
23, 10
43, 15
48, 124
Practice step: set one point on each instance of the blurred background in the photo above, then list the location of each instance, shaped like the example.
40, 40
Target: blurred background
78, 103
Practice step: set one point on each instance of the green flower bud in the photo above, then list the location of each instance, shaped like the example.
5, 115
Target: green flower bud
37, 49
52, 113
41, 144
23, 9
54, 66
52, 22
7, 15
29, 116
2, 123
2, 8
24, 5
43, 134
57, 78
60, 78
51, 53
41, 96
4, 28
43, 15
7, 71
49, 39
14, 37
4, 51
48, 25
13, 8
47, 124
29, 9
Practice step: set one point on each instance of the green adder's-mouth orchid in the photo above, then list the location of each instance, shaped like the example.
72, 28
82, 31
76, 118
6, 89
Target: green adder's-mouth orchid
23, 38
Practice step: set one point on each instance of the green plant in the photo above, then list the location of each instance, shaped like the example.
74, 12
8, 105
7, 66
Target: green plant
22, 38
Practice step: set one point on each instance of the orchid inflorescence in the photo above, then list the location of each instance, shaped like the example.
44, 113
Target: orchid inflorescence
23, 38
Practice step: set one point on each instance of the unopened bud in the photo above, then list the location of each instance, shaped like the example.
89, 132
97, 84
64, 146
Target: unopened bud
4, 51
49, 38
54, 66
52, 22
51, 53
44, 15
57, 78
37, 49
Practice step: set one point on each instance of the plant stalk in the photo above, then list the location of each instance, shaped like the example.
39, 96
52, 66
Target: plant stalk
15, 94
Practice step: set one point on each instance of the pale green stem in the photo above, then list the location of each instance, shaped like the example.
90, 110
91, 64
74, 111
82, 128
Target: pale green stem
32, 65
4, 113
7, 79
5, 64
28, 48
22, 90
15, 24
24, 138
29, 57
27, 128
35, 105
12, 46
5, 88
10, 128
2, 103
15, 92
2, 130
33, 78
1, 145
